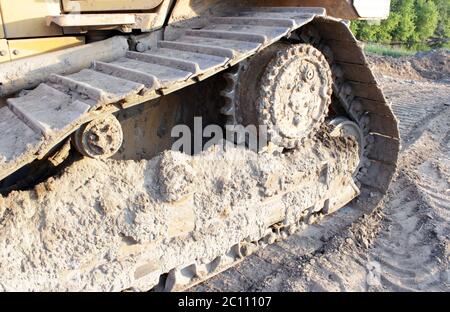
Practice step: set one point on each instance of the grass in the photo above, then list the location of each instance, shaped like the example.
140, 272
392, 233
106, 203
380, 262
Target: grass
386, 50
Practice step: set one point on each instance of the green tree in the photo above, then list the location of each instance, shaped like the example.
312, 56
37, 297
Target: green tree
443, 28
387, 27
409, 21
406, 27
426, 20
366, 31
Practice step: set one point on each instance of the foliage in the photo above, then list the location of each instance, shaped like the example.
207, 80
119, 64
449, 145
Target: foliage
426, 21
409, 21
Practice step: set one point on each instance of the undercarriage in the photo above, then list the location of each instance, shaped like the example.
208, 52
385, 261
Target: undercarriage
325, 135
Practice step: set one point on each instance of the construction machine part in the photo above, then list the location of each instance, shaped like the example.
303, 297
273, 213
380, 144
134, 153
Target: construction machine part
2, 31
86, 20
368, 120
5, 55
359, 95
133, 79
372, 10
188, 12
29, 72
344, 127
286, 88
100, 138
20, 48
144, 16
26, 18
77, 6
192, 216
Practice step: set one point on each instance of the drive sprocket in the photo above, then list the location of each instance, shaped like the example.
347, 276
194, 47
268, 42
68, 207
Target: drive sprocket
286, 88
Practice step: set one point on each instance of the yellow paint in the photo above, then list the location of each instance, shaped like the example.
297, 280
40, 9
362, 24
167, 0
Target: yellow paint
26, 18
4, 51
20, 48
108, 5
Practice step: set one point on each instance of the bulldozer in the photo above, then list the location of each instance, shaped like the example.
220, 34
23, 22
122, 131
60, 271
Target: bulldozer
112, 81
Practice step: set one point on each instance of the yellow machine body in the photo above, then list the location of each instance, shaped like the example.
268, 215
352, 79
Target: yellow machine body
32, 27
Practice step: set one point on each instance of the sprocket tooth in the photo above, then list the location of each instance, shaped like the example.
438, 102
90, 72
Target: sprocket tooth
228, 110
365, 123
327, 52
228, 93
231, 77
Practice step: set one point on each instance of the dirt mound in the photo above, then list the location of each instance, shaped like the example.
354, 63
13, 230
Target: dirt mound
424, 65
432, 65
393, 67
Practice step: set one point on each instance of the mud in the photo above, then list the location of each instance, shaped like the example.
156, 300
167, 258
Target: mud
115, 225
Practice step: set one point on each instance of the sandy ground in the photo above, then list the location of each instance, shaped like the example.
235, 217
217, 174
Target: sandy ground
404, 245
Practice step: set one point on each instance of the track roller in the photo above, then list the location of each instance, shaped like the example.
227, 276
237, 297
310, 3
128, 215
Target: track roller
101, 138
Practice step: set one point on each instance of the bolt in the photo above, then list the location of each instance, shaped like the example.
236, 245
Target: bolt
296, 120
309, 75
16, 52
2, 53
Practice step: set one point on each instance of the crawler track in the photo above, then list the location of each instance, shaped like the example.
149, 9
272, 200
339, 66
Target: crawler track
138, 242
